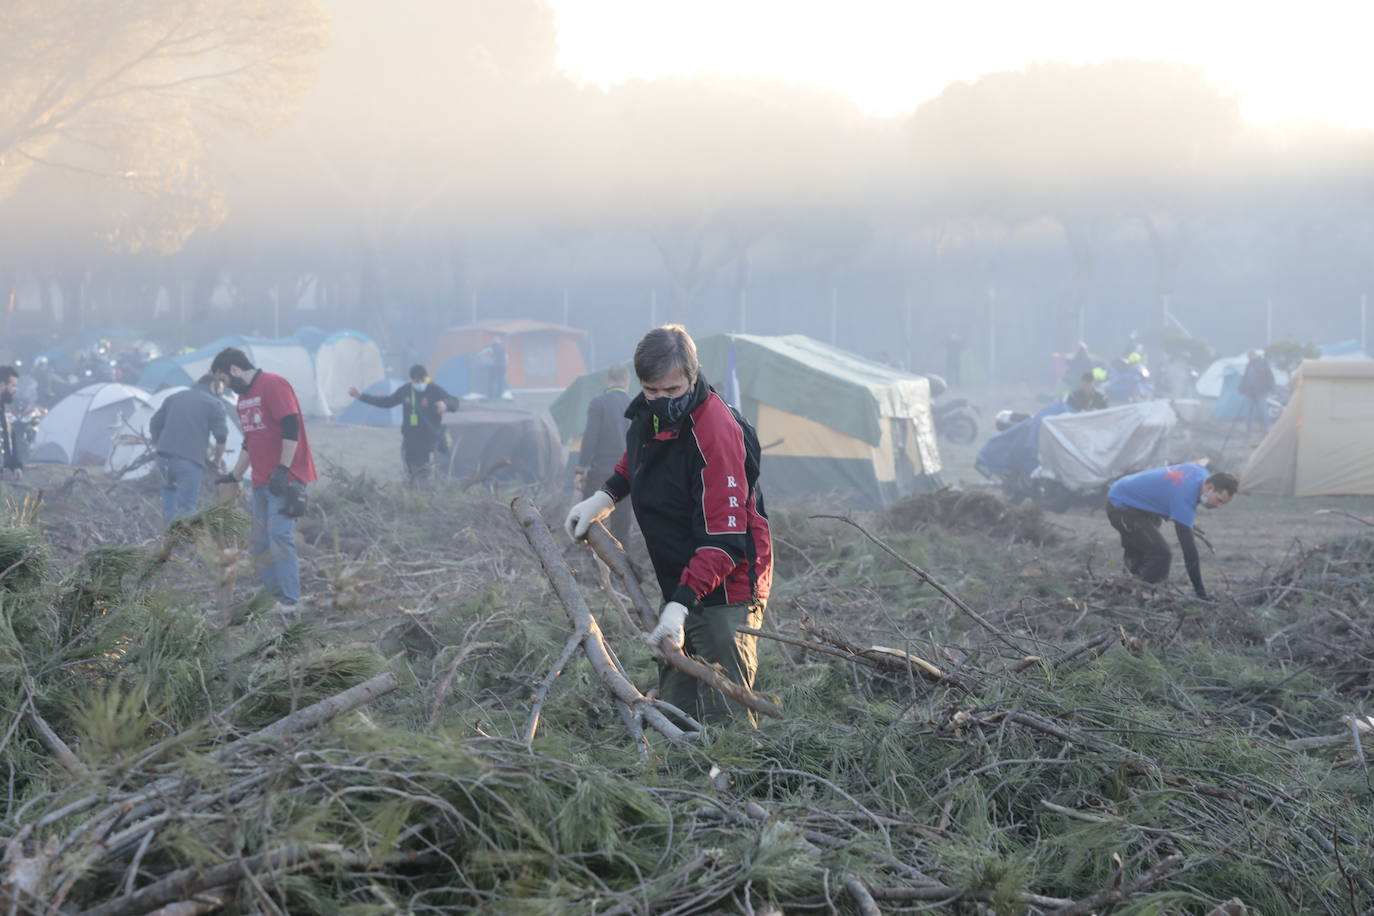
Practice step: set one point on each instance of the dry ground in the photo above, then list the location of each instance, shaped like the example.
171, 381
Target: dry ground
1251, 534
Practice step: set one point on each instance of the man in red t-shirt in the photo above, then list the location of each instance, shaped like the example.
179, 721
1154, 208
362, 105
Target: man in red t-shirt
275, 444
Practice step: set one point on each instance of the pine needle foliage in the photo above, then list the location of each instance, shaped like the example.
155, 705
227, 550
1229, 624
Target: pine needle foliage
1056, 781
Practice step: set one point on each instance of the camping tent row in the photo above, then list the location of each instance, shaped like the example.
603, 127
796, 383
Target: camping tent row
1321, 444
321, 376
1221, 380
107, 425
830, 422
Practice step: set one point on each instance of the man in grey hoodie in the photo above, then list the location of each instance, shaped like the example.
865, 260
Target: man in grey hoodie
181, 431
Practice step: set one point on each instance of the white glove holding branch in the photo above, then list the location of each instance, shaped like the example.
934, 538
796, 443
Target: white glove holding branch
592, 509
670, 621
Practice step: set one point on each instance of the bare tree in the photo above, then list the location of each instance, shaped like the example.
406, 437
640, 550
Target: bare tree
127, 92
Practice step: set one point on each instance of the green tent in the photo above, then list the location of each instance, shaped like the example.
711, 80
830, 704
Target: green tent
829, 421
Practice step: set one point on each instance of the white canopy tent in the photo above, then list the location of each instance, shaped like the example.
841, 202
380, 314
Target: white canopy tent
132, 448
345, 360
83, 428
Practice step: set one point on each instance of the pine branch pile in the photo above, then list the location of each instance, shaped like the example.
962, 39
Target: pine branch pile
373, 756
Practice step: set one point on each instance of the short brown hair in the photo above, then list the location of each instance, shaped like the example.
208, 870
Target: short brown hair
664, 349
1224, 481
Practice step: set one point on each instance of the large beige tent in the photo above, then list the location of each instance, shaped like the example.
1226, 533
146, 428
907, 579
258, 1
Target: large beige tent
1323, 445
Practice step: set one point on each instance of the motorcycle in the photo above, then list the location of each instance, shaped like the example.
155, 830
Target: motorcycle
955, 420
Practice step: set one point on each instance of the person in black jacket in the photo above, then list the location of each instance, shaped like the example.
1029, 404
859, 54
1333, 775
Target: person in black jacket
1086, 396
1255, 386
692, 464
603, 442
422, 419
9, 448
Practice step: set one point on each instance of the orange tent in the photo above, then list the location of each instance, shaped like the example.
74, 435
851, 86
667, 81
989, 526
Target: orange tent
538, 354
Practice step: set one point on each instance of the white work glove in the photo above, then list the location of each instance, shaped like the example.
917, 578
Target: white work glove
670, 621
592, 509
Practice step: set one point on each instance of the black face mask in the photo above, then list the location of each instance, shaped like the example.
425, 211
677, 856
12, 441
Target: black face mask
238, 384
670, 410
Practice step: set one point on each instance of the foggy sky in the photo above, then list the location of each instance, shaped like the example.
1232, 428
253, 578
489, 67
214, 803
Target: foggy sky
441, 159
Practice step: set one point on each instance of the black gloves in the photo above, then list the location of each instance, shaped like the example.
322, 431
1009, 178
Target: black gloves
276, 484
295, 501
227, 478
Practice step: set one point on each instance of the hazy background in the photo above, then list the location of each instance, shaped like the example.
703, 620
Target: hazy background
1023, 179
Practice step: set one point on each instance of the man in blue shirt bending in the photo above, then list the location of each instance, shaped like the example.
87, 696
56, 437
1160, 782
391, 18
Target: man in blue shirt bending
1137, 504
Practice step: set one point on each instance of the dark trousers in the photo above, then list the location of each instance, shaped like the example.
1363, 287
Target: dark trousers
1146, 553
416, 452
709, 634
1257, 412
619, 521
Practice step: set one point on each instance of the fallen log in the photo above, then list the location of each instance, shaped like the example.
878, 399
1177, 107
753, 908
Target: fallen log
613, 555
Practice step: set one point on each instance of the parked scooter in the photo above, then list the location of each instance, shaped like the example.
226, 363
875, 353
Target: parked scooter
955, 420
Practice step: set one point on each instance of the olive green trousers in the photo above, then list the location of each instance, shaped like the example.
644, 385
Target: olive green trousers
709, 635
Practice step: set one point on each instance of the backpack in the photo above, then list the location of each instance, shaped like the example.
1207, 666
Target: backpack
753, 455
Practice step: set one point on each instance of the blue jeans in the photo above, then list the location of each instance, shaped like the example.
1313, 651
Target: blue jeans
180, 486
274, 546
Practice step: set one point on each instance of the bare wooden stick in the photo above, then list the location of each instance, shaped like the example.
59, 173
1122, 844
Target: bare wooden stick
867, 906
187, 882
53, 743
610, 552
1114, 895
580, 616
441, 692
926, 578
574, 641
885, 660
319, 713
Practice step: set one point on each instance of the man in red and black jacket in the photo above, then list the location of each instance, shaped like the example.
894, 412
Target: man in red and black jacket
275, 444
692, 464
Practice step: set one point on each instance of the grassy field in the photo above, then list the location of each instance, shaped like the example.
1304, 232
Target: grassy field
1089, 743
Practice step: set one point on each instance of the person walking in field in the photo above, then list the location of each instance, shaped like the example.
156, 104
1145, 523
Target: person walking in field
1138, 504
603, 442
181, 431
692, 465
9, 447
277, 449
424, 404
1256, 384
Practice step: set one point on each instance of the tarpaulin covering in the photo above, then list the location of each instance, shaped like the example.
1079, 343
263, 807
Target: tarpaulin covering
1016, 450
508, 446
1090, 449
